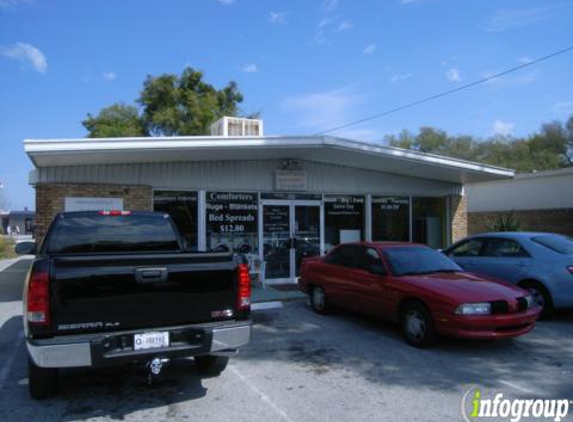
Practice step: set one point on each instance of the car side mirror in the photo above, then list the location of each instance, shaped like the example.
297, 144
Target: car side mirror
378, 269
26, 248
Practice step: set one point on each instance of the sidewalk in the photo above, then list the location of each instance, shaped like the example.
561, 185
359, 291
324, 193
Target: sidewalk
275, 293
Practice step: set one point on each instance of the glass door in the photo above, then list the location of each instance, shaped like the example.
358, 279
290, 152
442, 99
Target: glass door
306, 234
276, 242
290, 232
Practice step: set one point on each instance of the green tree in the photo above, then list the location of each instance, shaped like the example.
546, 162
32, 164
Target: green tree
171, 105
117, 120
550, 148
185, 105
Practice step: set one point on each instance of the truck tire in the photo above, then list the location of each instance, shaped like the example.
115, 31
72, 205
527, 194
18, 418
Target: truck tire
42, 382
211, 365
318, 300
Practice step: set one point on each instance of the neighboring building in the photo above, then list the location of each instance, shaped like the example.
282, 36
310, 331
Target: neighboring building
278, 197
23, 220
539, 201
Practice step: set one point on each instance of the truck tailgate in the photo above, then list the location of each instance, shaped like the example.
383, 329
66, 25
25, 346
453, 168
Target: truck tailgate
111, 292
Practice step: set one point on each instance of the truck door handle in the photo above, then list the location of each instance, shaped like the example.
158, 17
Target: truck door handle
150, 275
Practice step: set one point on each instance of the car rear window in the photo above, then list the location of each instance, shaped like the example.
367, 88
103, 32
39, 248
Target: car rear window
555, 242
412, 260
101, 234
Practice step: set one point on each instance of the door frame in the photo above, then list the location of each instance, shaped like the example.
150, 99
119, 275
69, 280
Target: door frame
291, 203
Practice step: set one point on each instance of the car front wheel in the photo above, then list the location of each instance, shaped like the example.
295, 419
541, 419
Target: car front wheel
417, 325
541, 297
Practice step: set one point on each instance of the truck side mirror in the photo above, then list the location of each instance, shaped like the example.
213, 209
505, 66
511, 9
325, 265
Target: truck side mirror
26, 248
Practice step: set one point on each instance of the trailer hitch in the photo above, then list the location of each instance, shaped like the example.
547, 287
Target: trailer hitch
153, 369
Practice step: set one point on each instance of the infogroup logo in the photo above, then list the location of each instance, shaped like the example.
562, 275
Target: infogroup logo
476, 407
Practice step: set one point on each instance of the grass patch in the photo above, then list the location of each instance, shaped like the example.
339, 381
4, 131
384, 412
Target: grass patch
7, 248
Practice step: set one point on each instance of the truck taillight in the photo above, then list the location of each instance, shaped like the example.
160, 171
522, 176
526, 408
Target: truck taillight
244, 288
38, 297
114, 213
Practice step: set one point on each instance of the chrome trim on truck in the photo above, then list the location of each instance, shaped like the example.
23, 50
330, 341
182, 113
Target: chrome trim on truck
71, 355
230, 338
76, 352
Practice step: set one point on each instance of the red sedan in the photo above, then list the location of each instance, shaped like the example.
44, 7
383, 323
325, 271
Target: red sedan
418, 287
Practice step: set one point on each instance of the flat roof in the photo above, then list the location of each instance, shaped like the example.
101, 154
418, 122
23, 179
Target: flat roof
322, 149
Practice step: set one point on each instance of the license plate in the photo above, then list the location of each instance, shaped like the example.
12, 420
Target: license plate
150, 340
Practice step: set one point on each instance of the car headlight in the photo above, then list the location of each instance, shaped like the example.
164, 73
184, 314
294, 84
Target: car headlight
530, 302
473, 309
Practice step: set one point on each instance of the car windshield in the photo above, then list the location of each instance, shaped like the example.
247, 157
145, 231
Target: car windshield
419, 260
555, 242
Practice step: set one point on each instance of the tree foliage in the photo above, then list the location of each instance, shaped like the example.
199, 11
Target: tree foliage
170, 105
117, 120
549, 148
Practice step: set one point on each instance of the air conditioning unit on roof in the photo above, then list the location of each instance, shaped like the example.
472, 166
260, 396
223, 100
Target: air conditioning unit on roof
237, 126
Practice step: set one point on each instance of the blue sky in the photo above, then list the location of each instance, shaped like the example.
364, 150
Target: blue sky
306, 65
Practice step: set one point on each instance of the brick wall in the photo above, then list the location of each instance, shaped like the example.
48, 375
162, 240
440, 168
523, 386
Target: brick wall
552, 220
459, 216
50, 199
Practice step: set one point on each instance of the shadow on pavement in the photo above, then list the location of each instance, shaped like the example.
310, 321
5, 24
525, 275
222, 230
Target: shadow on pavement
374, 349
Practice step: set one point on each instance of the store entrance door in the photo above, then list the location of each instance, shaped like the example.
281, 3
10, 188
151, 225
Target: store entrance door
291, 231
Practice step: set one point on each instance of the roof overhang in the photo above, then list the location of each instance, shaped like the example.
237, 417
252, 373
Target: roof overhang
323, 149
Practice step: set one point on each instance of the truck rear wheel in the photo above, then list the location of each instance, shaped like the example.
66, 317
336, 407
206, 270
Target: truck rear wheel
42, 382
211, 365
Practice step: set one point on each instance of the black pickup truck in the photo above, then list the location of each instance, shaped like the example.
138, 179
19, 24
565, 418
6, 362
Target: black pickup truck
118, 287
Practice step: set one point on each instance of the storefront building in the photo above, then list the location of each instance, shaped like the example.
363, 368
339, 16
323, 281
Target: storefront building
276, 199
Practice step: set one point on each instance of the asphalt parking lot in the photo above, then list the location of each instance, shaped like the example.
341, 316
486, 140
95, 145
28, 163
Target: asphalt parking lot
299, 367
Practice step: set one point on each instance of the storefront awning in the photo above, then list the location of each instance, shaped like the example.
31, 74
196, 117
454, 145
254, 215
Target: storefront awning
322, 149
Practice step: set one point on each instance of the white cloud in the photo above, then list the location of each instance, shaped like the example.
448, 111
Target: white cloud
369, 49
226, 2
323, 110
518, 18
26, 53
518, 79
250, 68
502, 128
400, 77
277, 17
525, 60
453, 75
109, 76
344, 26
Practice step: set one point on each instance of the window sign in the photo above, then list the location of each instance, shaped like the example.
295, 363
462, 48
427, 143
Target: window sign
232, 222
93, 204
390, 218
343, 219
182, 207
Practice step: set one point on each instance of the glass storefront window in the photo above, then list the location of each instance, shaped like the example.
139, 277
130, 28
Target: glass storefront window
429, 218
182, 207
343, 219
390, 218
232, 222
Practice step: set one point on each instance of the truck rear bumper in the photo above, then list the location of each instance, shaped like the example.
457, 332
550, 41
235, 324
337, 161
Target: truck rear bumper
98, 350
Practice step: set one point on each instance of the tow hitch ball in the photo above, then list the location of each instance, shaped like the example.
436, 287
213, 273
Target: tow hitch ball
154, 367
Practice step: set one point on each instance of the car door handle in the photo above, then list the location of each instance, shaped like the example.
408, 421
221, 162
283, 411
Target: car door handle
521, 264
150, 275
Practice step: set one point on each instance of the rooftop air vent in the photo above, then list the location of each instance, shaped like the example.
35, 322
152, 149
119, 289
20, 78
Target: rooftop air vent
237, 126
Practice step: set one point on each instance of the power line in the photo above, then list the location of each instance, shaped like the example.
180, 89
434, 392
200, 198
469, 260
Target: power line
445, 93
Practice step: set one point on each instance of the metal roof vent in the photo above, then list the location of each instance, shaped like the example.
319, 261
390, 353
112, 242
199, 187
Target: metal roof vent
237, 126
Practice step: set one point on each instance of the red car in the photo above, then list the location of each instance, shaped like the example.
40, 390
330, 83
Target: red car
418, 287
